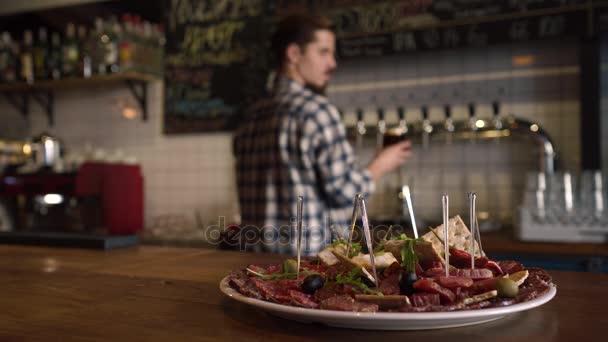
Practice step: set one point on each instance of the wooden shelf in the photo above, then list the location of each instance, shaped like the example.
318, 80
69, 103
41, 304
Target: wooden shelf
43, 92
77, 82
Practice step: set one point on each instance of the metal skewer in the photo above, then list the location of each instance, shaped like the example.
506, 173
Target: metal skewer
473, 225
445, 202
405, 190
352, 225
299, 231
368, 236
478, 237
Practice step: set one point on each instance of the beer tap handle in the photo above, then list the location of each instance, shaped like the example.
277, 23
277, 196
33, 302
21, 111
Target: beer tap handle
359, 114
496, 112
449, 124
496, 108
471, 110
380, 114
425, 113
401, 113
472, 117
381, 129
448, 111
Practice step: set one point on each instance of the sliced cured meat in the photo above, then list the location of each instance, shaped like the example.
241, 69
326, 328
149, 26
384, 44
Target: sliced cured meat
475, 274
484, 285
428, 285
454, 282
510, 266
270, 291
347, 303
421, 299
390, 285
302, 299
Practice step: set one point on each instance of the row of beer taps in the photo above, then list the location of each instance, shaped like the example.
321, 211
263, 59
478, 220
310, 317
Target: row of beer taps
449, 129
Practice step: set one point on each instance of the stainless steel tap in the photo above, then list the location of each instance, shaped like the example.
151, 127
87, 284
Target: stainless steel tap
496, 121
381, 129
448, 123
427, 127
472, 117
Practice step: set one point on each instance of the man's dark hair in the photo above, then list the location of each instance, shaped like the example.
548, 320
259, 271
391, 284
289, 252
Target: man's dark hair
297, 28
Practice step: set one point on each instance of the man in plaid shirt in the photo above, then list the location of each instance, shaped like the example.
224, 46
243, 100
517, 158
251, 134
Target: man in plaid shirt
294, 144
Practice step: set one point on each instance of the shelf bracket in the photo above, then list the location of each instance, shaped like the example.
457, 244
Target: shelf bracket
20, 101
139, 90
46, 100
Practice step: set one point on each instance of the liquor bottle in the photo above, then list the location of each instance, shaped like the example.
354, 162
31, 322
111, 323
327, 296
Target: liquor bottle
85, 66
108, 47
26, 58
97, 47
160, 49
40, 55
115, 34
54, 60
138, 34
8, 59
70, 54
126, 47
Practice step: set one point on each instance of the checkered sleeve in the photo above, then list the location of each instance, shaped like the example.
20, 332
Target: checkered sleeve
334, 159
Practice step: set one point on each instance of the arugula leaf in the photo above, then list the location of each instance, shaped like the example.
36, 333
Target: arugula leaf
408, 256
355, 247
353, 278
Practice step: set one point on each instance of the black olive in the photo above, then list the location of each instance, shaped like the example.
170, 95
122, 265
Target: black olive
406, 282
312, 283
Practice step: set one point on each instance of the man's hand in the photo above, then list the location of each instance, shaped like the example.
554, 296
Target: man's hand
389, 159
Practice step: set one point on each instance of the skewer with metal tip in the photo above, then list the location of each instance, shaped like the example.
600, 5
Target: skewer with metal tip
478, 237
405, 190
368, 236
299, 231
352, 225
473, 225
445, 204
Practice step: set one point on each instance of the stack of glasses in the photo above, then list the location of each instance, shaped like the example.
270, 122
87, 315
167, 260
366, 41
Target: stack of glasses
559, 207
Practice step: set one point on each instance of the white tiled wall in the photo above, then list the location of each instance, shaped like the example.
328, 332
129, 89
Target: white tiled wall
190, 173
544, 91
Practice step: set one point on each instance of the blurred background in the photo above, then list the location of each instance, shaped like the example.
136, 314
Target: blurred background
116, 117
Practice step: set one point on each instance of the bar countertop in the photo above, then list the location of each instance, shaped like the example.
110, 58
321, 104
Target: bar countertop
164, 293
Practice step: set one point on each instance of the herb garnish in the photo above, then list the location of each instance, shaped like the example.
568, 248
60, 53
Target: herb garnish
355, 247
408, 256
353, 278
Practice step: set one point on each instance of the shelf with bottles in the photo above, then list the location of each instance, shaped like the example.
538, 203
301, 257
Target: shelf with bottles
129, 51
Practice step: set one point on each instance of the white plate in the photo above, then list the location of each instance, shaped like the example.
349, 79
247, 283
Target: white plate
387, 320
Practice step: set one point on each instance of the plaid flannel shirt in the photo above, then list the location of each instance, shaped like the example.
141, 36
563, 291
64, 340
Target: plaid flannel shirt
294, 144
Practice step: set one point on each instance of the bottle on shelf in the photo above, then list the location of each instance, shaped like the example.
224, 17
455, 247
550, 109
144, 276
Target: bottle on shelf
85, 66
40, 52
54, 59
26, 58
70, 53
109, 45
97, 48
126, 46
8, 59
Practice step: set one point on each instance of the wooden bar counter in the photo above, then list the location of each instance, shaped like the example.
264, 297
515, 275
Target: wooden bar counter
160, 293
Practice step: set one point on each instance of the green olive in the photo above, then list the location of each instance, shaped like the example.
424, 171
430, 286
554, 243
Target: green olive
506, 287
290, 266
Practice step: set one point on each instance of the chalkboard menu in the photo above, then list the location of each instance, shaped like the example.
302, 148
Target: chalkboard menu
389, 27
216, 61
217, 58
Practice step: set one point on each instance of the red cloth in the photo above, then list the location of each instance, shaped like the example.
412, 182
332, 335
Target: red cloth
121, 188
